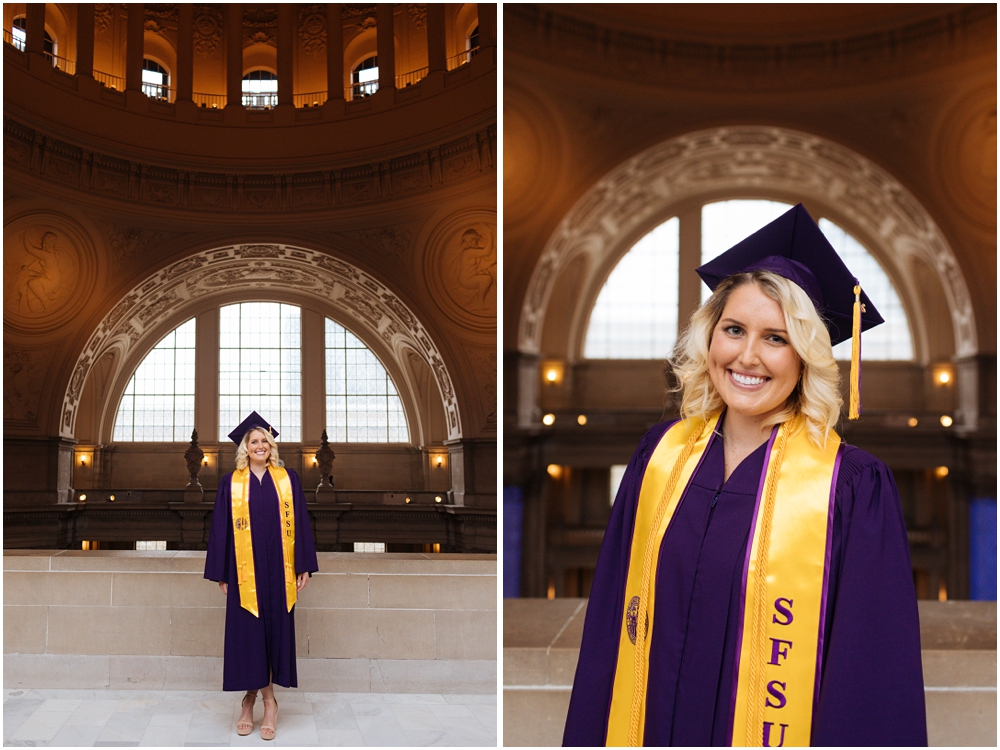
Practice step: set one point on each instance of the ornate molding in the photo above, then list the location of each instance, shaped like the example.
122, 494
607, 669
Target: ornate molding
460, 267
312, 29
358, 295
24, 373
542, 33
754, 158
418, 12
207, 30
100, 176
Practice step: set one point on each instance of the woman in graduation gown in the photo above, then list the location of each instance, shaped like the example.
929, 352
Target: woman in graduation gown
261, 552
754, 584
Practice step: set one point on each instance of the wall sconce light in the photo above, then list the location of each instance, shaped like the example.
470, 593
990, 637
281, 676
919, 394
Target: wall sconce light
82, 498
553, 372
912, 421
581, 420
440, 461
943, 373
946, 421
555, 470
205, 462
83, 460
315, 461
941, 472
548, 420
111, 498
85, 545
407, 501
551, 375
437, 498
944, 377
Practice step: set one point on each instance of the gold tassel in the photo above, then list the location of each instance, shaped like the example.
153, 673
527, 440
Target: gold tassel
855, 405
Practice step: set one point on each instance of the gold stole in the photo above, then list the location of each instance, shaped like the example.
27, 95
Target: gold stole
784, 585
240, 491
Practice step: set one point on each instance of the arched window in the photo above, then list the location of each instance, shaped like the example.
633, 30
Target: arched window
260, 366
364, 78
155, 80
635, 316
362, 404
472, 43
19, 34
260, 90
158, 403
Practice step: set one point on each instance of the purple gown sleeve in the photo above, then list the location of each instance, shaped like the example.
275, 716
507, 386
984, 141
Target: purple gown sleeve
587, 719
220, 535
305, 544
872, 690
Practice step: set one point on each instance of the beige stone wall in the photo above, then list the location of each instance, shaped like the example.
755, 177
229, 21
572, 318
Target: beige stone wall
542, 644
366, 622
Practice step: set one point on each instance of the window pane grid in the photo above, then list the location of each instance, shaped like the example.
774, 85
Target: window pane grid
635, 316
362, 405
260, 366
158, 403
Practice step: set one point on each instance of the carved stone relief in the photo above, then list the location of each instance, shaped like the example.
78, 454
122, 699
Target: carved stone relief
127, 242
102, 16
260, 37
390, 242
49, 271
155, 27
461, 268
484, 363
23, 374
312, 29
207, 30
726, 159
337, 283
418, 12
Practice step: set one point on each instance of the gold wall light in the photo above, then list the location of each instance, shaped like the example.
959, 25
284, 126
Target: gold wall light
548, 420
946, 421
941, 472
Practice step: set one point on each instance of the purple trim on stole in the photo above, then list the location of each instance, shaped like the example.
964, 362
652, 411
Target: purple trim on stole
826, 576
743, 591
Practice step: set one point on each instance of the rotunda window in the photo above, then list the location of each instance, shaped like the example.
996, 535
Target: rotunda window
260, 90
19, 36
155, 80
364, 78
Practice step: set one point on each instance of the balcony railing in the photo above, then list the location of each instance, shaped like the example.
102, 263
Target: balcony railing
158, 92
360, 90
457, 61
304, 101
9, 38
64, 64
408, 79
110, 81
260, 101
209, 101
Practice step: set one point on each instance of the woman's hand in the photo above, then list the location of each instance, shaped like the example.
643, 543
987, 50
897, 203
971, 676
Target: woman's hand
301, 581
225, 587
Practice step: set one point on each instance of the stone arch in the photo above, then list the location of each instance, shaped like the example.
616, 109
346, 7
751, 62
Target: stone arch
752, 161
168, 297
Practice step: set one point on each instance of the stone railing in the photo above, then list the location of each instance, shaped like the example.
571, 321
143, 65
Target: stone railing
542, 645
149, 620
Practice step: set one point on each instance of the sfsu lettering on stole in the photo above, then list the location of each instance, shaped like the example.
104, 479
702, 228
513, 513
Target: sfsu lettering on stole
779, 651
288, 523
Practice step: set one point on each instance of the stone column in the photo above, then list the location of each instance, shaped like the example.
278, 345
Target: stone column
134, 47
335, 51
234, 55
185, 52
487, 25
437, 55
689, 258
386, 48
85, 39
286, 41
34, 28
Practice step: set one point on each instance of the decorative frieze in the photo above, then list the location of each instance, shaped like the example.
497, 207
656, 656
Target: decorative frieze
101, 175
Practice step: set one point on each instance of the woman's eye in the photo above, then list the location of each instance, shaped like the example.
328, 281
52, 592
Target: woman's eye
733, 330
778, 339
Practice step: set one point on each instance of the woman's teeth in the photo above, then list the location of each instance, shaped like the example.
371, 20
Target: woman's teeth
746, 379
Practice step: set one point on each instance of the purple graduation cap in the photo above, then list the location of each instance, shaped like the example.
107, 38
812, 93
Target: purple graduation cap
254, 421
793, 246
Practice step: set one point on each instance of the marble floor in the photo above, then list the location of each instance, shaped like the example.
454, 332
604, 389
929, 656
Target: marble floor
169, 718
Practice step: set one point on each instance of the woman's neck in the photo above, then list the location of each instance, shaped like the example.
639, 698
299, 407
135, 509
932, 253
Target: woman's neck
741, 436
258, 468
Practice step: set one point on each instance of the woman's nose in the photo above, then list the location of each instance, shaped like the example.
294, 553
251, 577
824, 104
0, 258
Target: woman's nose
749, 354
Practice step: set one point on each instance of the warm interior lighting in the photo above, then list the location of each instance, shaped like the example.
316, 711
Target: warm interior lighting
912, 421
205, 462
946, 421
83, 498
552, 588
437, 498
111, 498
554, 470
943, 591
407, 501
315, 461
941, 472
440, 461
437, 546
551, 375
83, 460
944, 377
85, 545
581, 420
549, 419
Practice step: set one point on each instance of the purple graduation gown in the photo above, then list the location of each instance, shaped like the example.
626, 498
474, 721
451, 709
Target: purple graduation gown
872, 690
259, 649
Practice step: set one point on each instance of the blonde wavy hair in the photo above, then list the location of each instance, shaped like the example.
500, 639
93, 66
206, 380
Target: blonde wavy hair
243, 452
817, 394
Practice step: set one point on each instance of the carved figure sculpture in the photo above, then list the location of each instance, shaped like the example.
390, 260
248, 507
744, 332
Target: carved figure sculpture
39, 278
